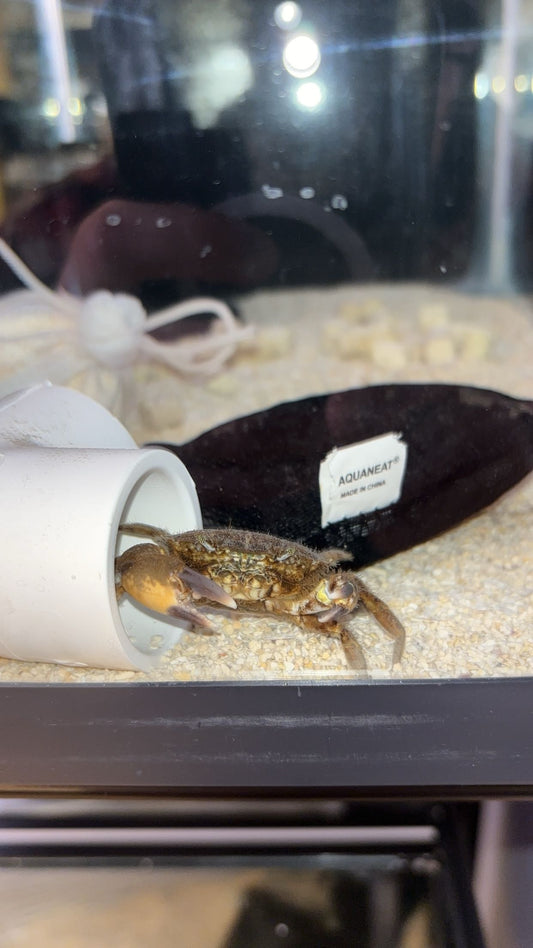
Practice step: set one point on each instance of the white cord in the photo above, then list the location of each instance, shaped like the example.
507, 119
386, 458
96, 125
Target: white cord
113, 330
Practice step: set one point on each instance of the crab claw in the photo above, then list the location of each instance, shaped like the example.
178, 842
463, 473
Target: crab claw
332, 615
340, 591
161, 582
204, 588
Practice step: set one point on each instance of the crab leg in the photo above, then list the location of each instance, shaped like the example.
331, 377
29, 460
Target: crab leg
160, 537
352, 650
385, 618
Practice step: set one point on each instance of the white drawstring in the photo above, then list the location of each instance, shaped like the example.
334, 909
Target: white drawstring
106, 330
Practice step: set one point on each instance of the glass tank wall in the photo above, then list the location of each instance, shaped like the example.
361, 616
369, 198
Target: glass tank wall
341, 197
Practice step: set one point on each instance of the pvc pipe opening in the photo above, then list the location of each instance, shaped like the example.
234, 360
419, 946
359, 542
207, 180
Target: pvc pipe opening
160, 499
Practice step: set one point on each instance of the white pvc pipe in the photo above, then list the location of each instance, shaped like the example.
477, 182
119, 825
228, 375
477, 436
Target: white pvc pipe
56, 417
60, 510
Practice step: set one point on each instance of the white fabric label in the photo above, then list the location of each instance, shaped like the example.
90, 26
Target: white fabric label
362, 477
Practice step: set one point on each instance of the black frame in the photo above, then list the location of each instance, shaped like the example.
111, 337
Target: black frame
439, 739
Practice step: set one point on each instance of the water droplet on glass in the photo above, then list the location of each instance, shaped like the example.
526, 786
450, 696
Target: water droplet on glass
205, 250
443, 268
270, 192
163, 222
281, 930
113, 220
307, 193
339, 202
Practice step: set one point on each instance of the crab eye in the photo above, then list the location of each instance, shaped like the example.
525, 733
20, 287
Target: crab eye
344, 591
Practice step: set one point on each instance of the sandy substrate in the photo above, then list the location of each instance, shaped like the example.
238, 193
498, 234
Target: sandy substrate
466, 598
315, 341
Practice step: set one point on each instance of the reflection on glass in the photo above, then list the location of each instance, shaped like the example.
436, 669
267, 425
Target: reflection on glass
351, 187
301, 56
287, 15
310, 95
368, 901
57, 76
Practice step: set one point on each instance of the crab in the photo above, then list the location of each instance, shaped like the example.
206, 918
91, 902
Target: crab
180, 575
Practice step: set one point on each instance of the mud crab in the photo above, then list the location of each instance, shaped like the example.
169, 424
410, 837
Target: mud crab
179, 575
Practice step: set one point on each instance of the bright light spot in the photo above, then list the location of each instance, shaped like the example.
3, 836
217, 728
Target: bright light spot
498, 84
307, 193
481, 85
75, 106
287, 15
309, 95
51, 108
521, 83
301, 56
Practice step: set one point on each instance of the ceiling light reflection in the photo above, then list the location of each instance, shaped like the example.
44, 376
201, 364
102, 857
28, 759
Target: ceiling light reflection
301, 56
521, 83
287, 15
309, 95
51, 107
481, 85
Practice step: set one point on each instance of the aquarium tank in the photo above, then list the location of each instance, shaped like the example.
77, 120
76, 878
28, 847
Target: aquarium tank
292, 245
